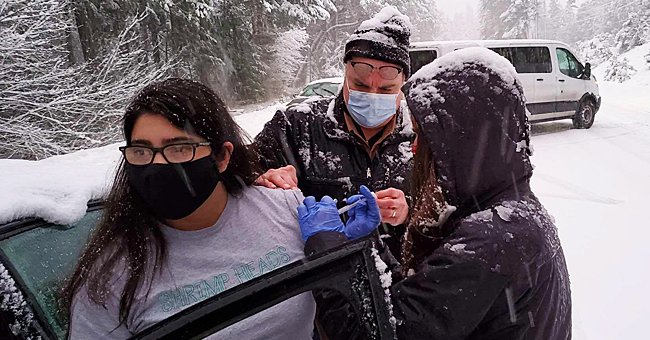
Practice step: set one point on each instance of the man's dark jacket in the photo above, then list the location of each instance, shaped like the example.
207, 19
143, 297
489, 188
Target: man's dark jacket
330, 160
499, 270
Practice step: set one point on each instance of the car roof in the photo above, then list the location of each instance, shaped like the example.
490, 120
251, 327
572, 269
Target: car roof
465, 43
336, 80
56, 189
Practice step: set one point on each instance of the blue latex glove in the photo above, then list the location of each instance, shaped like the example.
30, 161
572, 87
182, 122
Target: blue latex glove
315, 217
364, 217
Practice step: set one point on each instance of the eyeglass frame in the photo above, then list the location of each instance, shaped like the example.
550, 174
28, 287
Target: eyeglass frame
372, 69
161, 151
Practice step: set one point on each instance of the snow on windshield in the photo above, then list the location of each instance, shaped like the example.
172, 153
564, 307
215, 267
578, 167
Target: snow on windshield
58, 188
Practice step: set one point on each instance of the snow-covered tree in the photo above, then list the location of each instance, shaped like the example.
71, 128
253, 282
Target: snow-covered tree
519, 18
594, 17
597, 50
289, 52
553, 19
425, 18
47, 105
636, 29
222, 43
619, 70
509, 19
490, 13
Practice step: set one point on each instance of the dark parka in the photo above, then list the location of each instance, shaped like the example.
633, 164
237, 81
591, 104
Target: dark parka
499, 271
313, 137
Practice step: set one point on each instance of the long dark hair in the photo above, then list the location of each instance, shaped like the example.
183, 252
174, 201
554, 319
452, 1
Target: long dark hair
422, 236
128, 238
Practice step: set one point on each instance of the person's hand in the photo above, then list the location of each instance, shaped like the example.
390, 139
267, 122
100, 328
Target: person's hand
363, 217
284, 177
315, 217
393, 206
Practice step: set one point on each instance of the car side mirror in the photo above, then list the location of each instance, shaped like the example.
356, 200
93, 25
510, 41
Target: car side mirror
587, 72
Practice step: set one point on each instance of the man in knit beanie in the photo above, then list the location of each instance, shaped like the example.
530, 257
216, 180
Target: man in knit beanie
363, 136
385, 37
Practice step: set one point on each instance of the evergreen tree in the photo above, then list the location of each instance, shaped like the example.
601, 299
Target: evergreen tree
492, 26
50, 106
554, 20
619, 70
636, 29
519, 18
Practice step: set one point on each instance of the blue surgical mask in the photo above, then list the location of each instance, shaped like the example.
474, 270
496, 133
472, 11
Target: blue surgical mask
371, 109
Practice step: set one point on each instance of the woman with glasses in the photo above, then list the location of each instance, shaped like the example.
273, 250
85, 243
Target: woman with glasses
182, 223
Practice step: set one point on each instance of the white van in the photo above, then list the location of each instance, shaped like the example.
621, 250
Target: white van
556, 84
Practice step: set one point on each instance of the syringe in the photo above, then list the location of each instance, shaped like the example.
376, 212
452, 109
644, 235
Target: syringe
350, 206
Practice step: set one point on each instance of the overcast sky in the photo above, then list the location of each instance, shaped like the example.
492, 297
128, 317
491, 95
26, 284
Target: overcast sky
451, 7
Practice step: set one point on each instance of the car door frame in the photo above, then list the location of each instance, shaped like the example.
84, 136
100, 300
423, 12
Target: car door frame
350, 269
334, 269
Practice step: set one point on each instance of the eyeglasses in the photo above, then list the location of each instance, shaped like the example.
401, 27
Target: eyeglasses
363, 70
173, 153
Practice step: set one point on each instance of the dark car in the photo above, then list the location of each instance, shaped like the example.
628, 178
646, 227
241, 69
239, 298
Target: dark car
327, 87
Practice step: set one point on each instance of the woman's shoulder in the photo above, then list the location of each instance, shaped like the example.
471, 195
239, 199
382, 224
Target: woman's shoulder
266, 198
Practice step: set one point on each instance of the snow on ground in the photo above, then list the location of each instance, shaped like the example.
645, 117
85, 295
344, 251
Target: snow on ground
636, 59
595, 183
252, 122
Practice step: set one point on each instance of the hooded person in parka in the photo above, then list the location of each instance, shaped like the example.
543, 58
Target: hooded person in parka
481, 258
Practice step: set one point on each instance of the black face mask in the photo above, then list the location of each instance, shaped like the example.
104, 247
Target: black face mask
174, 191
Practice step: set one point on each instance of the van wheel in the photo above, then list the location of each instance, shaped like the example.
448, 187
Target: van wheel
585, 115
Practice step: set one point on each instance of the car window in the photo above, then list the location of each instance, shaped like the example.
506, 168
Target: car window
44, 257
320, 89
331, 88
527, 59
569, 64
421, 58
307, 91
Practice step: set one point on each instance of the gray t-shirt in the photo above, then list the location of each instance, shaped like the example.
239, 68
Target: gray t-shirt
257, 233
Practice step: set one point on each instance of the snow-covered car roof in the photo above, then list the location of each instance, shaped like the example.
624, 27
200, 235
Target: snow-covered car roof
336, 80
56, 189
506, 42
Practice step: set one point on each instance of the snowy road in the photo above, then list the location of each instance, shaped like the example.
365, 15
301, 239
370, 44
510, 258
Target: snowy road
595, 183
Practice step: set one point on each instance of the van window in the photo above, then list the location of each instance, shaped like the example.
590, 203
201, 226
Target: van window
527, 59
568, 64
421, 58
